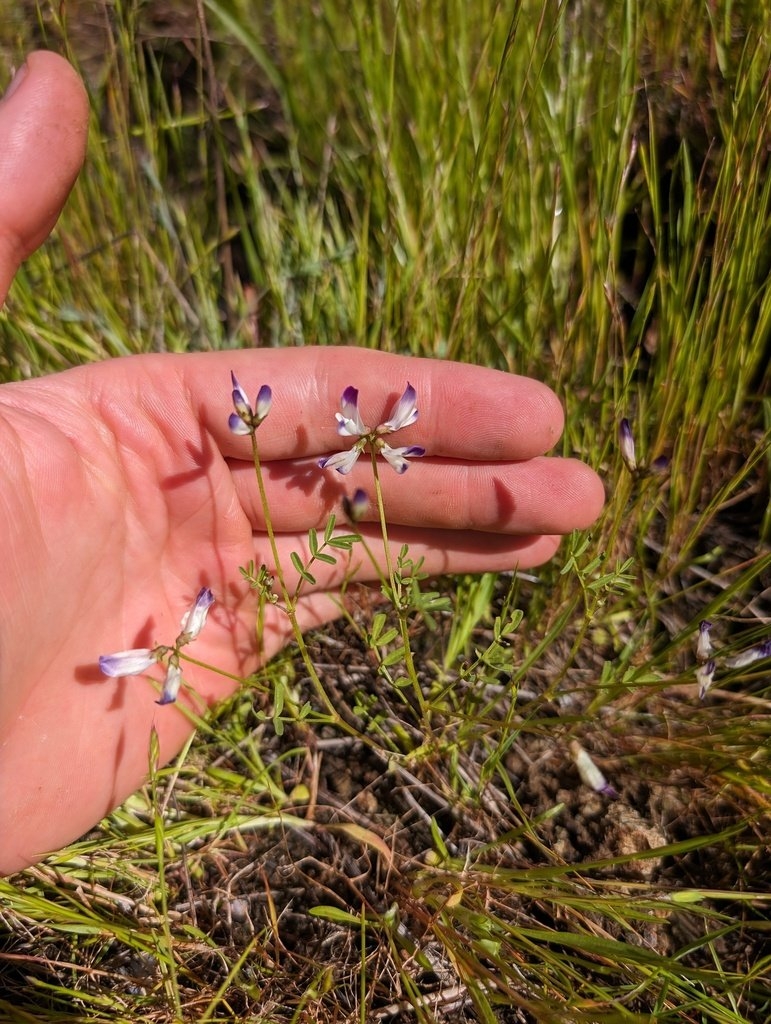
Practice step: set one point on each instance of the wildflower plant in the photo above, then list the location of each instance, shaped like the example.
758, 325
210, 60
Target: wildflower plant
137, 661
245, 420
350, 424
401, 581
402, 586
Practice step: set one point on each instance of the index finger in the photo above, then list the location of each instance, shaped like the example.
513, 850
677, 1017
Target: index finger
466, 412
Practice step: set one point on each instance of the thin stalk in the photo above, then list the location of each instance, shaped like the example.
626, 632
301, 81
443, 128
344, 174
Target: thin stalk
289, 605
397, 592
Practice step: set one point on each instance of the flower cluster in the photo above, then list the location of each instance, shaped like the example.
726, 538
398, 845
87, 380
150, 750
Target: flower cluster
350, 424
245, 420
139, 660
706, 657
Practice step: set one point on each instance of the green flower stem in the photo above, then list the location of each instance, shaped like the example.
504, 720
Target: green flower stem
397, 591
290, 605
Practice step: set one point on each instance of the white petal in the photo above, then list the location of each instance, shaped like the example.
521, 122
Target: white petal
127, 663
194, 620
343, 462
264, 402
705, 675
350, 427
240, 400
397, 457
403, 414
170, 685
348, 419
237, 425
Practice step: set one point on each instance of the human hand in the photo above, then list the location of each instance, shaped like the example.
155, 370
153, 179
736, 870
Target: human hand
123, 492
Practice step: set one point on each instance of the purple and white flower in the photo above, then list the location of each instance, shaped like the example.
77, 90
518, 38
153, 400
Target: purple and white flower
350, 424
404, 413
626, 444
171, 684
127, 663
356, 506
245, 419
756, 653
136, 662
194, 620
349, 421
703, 642
705, 675
590, 774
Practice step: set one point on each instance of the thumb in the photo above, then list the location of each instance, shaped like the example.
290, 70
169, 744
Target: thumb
43, 128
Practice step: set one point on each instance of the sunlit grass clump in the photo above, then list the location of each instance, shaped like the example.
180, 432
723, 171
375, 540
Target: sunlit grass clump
524, 797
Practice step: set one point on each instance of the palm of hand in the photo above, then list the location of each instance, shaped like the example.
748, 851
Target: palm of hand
125, 507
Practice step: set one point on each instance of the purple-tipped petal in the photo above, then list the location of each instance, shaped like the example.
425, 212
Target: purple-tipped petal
749, 656
404, 412
703, 642
397, 457
590, 774
240, 399
264, 402
356, 506
171, 685
194, 620
704, 677
343, 462
349, 421
237, 425
626, 444
127, 663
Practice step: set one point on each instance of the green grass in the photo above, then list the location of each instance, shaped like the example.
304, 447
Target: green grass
579, 192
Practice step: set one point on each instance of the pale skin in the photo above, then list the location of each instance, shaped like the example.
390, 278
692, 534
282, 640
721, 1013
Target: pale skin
122, 492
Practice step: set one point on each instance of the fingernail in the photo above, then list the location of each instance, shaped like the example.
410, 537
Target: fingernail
13, 85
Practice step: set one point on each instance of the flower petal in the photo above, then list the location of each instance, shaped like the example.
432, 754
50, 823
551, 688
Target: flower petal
356, 506
404, 412
703, 642
194, 620
264, 402
237, 425
240, 399
753, 654
349, 422
397, 457
171, 685
626, 444
127, 663
343, 462
705, 675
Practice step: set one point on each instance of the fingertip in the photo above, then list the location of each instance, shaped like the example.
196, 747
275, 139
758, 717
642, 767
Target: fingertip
550, 412
590, 491
539, 551
43, 132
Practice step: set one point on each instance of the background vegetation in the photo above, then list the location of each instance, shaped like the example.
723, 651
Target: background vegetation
575, 191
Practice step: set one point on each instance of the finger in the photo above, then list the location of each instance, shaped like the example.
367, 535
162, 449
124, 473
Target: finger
541, 495
466, 412
43, 127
